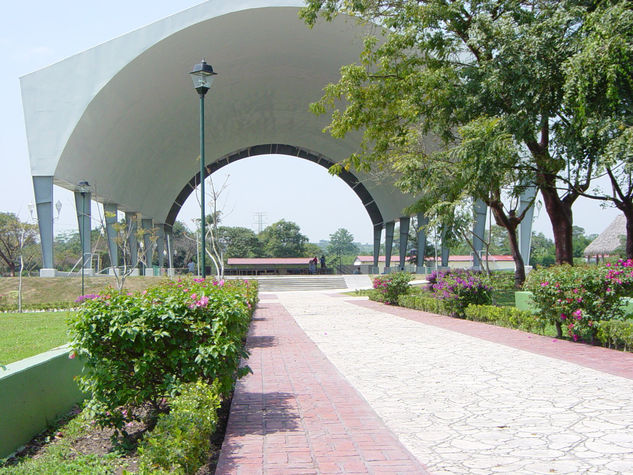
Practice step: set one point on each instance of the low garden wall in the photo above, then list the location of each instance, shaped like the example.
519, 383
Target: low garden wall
34, 392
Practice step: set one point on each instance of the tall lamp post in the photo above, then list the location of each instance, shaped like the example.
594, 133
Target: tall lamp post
202, 76
84, 188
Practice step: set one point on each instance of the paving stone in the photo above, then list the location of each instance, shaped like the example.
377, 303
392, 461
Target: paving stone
436, 385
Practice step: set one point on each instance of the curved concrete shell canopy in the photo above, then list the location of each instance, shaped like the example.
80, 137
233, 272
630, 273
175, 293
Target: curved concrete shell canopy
123, 116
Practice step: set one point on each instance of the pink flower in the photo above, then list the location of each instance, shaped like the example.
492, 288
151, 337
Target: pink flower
563, 316
194, 296
575, 337
72, 355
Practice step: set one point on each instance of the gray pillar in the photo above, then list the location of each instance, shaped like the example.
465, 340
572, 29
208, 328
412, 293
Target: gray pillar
161, 245
525, 228
132, 227
83, 205
169, 234
146, 224
110, 211
404, 240
422, 221
479, 231
389, 227
444, 250
43, 188
377, 235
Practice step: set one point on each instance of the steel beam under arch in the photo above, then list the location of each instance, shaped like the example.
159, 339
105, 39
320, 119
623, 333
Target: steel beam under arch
279, 149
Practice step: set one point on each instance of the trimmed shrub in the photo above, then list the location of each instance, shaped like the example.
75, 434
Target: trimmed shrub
459, 289
616, 334
425, 303
181, 440
139, 348
390, 287
506, 317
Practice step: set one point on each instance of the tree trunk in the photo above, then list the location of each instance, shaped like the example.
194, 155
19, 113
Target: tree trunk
510, 224
560, 215
628, 213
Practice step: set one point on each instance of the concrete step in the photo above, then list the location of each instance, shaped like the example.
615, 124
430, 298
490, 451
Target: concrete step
280, 284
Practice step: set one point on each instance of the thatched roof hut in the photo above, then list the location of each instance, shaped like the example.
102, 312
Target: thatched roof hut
609, 240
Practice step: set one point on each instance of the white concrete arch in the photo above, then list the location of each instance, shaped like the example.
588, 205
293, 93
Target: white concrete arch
123, 116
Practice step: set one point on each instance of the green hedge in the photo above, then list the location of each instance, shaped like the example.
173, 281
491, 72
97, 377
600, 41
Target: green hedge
506, 317
420, 302
181, 440
616, 334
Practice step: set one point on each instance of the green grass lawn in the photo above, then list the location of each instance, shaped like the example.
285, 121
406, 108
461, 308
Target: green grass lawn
27, 334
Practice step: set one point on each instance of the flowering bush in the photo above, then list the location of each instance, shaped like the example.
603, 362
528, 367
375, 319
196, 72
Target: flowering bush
390, 287
460, 289
578, 297
139, 348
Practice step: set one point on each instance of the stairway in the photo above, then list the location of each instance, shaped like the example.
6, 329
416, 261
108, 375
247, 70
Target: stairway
282, 284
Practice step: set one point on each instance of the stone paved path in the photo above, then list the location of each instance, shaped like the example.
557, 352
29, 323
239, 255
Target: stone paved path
456, 398
296, 414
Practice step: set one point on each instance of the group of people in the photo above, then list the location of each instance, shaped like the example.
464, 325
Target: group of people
312, 265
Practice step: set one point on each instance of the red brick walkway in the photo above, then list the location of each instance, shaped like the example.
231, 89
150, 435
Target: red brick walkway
296, 414
602, 359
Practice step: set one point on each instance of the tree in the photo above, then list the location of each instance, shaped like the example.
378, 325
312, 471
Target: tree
240, 242
481, 166
342, 243
15, 237
283, 239
581, 241
599, 94
442, 67
184, 245
543, 251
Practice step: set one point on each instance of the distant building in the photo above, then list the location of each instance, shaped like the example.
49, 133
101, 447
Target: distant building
267, 265
366, 263
608, 241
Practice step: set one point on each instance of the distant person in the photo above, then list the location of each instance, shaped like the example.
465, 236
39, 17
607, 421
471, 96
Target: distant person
190, 266
357, 270
322, 262
311, 267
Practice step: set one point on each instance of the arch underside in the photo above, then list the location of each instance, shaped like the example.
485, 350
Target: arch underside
278, 149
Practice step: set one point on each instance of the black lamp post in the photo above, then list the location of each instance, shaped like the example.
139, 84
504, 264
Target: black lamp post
202, 76
84, 188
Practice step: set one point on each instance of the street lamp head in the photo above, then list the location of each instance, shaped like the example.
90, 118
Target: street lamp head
202, 76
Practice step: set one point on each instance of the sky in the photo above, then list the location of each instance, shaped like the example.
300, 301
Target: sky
38, 33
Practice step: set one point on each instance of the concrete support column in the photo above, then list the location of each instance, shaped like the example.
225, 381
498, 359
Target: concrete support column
83, 205
147, 225
444, 250
422, 221
161, 245
110, 211
43, 188
389, 227
525, 228
169, 235
377, 235
404, 240
132, 228
479, 231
